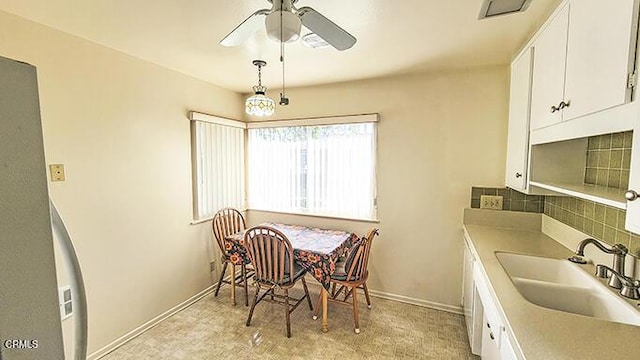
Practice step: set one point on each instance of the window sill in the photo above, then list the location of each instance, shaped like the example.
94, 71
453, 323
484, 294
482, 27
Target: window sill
200, 221
325, 216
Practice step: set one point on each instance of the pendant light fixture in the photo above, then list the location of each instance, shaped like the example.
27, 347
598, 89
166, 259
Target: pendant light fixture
259, 104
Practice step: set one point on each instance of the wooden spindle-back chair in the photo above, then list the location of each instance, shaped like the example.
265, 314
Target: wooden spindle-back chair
229, 221
272, 258
351, 274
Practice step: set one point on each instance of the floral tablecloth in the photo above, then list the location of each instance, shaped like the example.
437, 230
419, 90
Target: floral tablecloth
317, 250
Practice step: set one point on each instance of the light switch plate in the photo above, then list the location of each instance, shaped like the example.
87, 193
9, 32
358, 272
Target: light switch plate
491, 202
57, 172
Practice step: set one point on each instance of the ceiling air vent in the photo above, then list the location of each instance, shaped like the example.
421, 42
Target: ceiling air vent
491, 8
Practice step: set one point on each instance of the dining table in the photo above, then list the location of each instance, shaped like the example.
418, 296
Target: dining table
316, 250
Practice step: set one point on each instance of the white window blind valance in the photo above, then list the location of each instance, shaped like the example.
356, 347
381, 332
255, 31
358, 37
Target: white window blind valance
331, 120
212, 119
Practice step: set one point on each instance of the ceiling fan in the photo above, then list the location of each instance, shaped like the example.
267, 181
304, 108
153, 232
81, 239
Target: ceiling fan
283, 24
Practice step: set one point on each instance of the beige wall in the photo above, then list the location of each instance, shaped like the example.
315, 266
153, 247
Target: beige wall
437, 136
119, 126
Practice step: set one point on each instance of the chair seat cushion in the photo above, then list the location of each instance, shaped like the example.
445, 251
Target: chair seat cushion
344, 263
340, 273
298, 272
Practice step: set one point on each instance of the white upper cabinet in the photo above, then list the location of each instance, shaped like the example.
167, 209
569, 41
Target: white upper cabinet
548, 71
518, 133
632, 222
600, 55
584, 57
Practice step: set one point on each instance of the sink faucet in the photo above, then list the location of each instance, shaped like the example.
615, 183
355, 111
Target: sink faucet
618, 251
629, 286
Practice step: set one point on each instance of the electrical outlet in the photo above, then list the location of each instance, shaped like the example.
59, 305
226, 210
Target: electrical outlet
57, 172
491, 202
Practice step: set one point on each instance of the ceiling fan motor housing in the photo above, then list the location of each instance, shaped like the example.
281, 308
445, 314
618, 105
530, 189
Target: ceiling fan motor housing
290, 29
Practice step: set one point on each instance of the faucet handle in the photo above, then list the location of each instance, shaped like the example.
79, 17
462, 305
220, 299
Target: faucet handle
630, 290
621, 249
616, 281
602, 271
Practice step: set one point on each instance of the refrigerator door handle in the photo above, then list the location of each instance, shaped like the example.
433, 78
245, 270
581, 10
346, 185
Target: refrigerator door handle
78, 296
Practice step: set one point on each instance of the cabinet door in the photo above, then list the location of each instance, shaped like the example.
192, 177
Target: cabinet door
490, 349
518, 134
632, 222
600, 54
549, 70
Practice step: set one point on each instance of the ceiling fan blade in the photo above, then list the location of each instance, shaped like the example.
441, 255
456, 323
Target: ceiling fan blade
326, 29
247, 28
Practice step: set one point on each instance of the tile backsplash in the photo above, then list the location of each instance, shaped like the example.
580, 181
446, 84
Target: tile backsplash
511, 199
602, 222
609, 160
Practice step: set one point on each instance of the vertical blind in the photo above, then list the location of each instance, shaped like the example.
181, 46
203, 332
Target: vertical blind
218, 157
321, 170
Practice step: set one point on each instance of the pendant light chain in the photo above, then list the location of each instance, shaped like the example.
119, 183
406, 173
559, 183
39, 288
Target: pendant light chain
283, 97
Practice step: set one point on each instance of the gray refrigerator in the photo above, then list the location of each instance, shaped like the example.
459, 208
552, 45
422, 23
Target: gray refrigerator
30, 321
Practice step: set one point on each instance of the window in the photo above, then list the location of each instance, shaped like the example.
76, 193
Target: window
314, 169
217, 153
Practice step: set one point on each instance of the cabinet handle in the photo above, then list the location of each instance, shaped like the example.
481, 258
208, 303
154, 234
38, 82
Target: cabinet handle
491, 336
560, 106
518, 175
488, 325
631, 195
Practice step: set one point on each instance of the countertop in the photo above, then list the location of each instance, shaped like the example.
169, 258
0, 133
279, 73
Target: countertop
542, 333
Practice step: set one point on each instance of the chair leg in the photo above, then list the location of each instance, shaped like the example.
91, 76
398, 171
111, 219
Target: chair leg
224, 269
355, 312
366, 295
333, 290
318, 306
306, 293
253, 306
246, 288
288, 314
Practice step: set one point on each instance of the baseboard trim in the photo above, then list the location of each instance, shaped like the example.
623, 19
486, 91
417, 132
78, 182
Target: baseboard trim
149, 324
404, 299
418, 302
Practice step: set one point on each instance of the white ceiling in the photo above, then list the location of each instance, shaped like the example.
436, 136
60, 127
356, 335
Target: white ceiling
394, 37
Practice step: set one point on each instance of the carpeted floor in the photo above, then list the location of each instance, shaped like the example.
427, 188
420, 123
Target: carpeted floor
213, 329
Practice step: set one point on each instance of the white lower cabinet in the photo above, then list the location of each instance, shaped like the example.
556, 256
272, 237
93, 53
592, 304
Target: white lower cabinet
488, 334
490, 337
